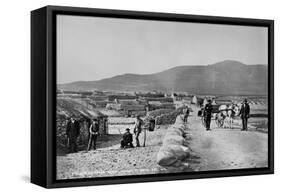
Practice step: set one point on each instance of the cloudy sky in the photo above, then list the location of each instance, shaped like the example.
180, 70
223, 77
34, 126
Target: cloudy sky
93, 48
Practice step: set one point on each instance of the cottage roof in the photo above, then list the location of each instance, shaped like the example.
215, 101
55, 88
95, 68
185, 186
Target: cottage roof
67, 107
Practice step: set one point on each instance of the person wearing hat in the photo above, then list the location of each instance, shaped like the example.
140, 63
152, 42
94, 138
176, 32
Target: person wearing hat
127, 141
245, 114
185, 113
72, 133
138, 129
93, 132
208, 114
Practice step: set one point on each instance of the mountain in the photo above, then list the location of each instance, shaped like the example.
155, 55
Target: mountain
226, 77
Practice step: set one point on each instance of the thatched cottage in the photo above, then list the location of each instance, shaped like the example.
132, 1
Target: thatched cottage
67, 107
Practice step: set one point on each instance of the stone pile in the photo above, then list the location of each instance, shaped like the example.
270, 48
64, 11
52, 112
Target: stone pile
174, 150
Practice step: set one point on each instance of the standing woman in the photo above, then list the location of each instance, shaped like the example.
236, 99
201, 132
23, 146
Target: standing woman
94, 132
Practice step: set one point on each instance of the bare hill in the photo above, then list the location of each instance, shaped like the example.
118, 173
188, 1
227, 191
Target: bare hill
226, 77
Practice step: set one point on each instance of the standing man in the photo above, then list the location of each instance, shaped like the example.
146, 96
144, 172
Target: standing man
72, 132
127, 140
245, 115
185, 114
208, 114
93, 132
137, 130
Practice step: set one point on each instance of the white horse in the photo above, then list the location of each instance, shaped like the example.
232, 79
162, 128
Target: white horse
233, 110
226, 115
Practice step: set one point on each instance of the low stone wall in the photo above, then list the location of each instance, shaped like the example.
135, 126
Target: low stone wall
168, 118
174, 150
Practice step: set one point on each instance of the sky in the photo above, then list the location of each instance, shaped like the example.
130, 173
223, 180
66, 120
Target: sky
94, 48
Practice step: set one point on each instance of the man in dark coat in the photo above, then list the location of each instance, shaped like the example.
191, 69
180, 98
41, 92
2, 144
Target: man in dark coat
245, 114
72, 132
138, 129
93, 132
185, 114
127, 140
208, 114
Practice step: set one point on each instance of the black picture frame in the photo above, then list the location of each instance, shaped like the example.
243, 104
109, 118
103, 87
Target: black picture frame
43, 95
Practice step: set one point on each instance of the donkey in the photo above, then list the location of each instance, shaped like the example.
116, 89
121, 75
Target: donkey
226, 115
232, 111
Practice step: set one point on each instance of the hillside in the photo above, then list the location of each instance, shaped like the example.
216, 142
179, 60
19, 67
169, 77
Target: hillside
226, 77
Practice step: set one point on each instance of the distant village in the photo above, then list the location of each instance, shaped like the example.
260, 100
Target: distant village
132, 102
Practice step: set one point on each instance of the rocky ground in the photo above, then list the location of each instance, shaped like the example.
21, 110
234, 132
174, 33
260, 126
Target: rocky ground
110, 160
211, 150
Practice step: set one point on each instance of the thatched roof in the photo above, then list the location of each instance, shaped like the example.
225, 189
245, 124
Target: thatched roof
67, 107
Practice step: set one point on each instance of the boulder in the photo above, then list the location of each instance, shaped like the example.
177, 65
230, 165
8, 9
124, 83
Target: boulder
174, 132
172, 154
173, 140
166, 158
179, 119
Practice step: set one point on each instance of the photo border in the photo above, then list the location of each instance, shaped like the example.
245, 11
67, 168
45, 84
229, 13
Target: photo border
53, 11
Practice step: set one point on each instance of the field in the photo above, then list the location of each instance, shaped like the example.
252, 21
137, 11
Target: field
110, 160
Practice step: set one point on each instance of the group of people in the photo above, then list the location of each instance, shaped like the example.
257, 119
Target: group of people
127, 140
73, 132
244, 113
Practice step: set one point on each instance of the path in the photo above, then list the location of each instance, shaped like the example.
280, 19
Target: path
226, 148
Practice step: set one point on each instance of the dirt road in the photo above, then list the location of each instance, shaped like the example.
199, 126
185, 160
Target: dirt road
226, 148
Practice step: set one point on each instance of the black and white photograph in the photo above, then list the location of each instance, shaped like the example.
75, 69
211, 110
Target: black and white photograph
146, 97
